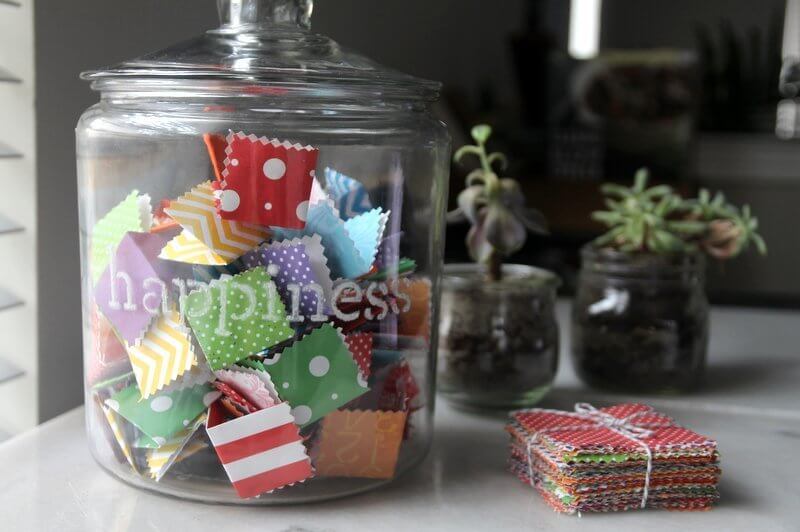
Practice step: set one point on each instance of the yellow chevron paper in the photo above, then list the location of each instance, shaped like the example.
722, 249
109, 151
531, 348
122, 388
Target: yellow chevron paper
111, 417
174, 450
162, 355
196, 211
187, 248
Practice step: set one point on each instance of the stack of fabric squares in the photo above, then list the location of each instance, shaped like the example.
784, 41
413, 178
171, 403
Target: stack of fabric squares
618, 458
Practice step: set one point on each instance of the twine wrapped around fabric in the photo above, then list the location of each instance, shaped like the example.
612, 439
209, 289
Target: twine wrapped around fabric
625, 426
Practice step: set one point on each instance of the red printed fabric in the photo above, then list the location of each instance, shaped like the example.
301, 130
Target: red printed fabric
589, 435
360, 345
266, 181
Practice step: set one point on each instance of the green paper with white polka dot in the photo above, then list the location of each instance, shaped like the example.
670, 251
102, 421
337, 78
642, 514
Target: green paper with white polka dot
164, 414
316, 375
246, 335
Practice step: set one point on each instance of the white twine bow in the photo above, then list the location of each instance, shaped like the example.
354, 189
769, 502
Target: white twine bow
597, 418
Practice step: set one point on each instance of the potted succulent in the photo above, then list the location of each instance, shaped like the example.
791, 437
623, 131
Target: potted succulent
640, 318
498, 339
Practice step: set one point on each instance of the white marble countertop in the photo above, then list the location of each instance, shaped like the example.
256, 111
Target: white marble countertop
751, 405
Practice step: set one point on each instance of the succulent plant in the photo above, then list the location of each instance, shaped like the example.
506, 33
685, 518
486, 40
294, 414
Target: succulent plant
494, 206
657, 220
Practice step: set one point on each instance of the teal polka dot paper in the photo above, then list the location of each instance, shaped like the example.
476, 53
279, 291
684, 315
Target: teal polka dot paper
316, 375
234, 317
162, 415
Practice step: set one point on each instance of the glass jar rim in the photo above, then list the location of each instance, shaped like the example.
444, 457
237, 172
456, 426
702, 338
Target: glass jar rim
517, 276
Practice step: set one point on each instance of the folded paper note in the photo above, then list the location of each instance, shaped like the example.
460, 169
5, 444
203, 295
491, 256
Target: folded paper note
350, 246
215, 145
237, 316
260, 452
109, 354
164, 414
134, 286
187, 248
197, 213
160, 459
301, 274
360, 444
119, 437
316, 374
164, 354
266, 181
132, 214
349, 195
253, 385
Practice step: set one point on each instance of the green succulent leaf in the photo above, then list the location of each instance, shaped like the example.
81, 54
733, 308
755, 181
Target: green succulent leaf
481, 133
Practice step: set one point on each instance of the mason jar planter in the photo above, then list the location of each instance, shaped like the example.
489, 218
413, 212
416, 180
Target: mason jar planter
640, 322
498, 341
254, 118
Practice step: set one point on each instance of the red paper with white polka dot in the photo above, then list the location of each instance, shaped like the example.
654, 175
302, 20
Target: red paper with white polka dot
360, 345
589, 436
266, 181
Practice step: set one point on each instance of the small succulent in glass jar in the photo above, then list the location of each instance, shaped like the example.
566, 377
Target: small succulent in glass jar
657, 220
494, 206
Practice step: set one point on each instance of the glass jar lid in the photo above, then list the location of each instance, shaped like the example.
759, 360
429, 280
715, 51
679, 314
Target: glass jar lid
268, 46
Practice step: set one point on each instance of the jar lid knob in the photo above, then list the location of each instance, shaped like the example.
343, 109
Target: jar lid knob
236, 13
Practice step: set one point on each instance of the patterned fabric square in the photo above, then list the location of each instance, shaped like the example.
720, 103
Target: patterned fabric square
316, 374
266, 181
235, 317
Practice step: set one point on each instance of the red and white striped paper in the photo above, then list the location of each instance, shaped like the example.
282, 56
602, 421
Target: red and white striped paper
262, 451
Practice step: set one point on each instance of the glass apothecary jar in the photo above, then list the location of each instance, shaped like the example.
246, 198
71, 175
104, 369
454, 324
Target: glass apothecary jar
640, 321
498, 340
262, 217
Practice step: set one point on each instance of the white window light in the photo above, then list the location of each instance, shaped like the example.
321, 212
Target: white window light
584, 28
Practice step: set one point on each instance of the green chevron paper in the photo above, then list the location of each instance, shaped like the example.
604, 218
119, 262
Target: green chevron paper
132, 214
316, 375
237, 316
164, 414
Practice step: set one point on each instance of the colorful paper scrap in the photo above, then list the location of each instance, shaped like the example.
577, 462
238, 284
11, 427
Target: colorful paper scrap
162, 355
260, 452
266, 181
316, 374
350, 196
360, 444
196, 212
135, 285
235, 317
187, 248
164, 414
132, 214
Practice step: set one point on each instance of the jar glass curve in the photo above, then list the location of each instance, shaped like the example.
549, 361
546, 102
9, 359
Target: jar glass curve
640, 322
498, 341
145, 135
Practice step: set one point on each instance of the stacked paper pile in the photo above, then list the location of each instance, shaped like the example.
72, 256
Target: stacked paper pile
618, 458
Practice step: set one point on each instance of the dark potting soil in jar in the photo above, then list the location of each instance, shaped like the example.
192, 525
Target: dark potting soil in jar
640, 324
498, 344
